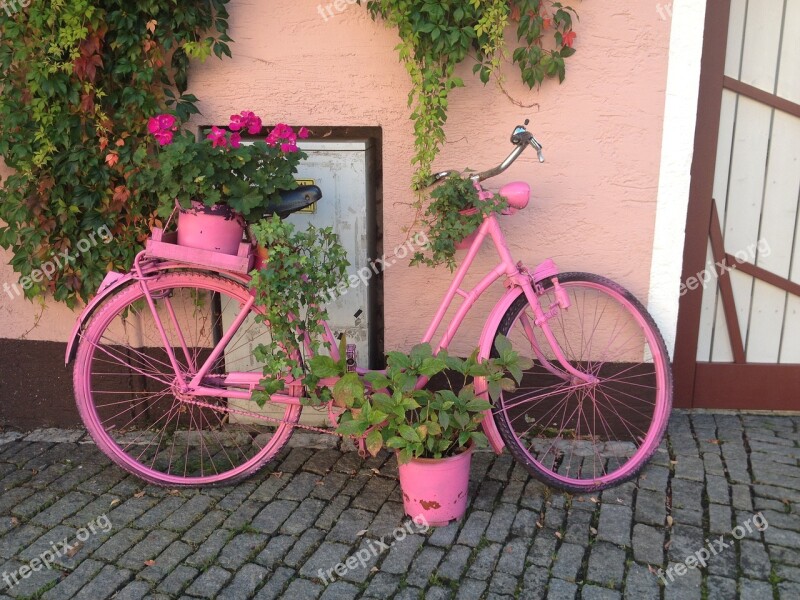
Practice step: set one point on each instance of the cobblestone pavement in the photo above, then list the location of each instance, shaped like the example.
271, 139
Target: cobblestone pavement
273, 536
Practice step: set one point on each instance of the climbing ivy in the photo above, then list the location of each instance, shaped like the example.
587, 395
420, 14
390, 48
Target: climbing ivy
80, 79
436, 36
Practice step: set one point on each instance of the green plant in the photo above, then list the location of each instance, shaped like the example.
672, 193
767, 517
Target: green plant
421, 423
218, 168
437, 36
455, 211
302, 266
80, 79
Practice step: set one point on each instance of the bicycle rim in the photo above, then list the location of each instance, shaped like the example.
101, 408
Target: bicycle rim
582, 436
126, 389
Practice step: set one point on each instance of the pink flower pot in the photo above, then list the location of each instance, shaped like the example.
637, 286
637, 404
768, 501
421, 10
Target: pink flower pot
215, 228
436, 489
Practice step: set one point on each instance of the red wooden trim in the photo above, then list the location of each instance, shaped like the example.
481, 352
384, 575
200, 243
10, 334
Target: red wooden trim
750, 269
726, 288
700, 195
759, 95
753, 386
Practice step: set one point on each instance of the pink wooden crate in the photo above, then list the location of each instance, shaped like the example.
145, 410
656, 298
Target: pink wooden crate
164, 245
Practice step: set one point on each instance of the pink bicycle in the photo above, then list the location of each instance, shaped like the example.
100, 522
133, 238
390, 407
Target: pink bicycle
165, 390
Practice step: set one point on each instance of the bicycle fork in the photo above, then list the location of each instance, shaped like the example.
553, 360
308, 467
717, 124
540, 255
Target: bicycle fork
531, 286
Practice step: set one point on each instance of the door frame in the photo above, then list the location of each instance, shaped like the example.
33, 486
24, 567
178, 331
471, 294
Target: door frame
736, 385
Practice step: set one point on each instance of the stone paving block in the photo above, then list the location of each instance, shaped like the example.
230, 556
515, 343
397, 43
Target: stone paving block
19, 538
754, 590
177, 580
300, 487
325, 559
69, 586
578, 524
103, 481
786, 572
470, 589
135, 590
166, 562
568, 562
401, 554
754, 560
36, 503
512, 491
362, 561
303, 588
332, 512
340, 590
11, 498
650, 507
104, 584
488, 491
720, 588
119, 543
474, 528
525, 523
640, 584
390, 518
330, 485
30, 580
205, 527
615, 524
374, 494
349, 526
149, 548
741, 497
193, 510
244, 583
559, 589
512, 557
500, 524
606, 564
533, 495
303, 517
593, 592
648, 544
685, 541
454, 563
685, 587
356, 484
229, 502
244, 515
130, 509
409, 593
484, 564
273, 515
445, 536
56, 436
719, 518
424, 565
543, 550
554, 517
209, 583
788, 590
156, 515
274, 587
209, 549
502, 584
534, 584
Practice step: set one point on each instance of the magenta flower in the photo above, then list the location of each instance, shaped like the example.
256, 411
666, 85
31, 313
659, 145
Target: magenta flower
218, 137
247, 120
284, 136
166, 122
289, 148
303, 133
153, 126
236, 140
164, 138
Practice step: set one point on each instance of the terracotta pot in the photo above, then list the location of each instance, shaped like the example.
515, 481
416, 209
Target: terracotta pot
436, 489
216, 228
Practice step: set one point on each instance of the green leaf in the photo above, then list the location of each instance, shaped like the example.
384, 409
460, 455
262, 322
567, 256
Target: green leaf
408, 433
324, 366
374, 442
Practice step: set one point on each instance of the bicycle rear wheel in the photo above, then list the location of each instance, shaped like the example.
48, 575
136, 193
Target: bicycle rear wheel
580, 436
126, 389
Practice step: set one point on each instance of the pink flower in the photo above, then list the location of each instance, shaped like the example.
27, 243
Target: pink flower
303, 133
236, 140
153, 125
164, 138
246, 120
289, 148
166, 122
285, 136
218, 137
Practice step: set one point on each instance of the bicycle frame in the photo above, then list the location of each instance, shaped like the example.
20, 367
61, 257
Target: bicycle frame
518, 279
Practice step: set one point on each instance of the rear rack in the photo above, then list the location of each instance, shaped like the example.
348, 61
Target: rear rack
165, 246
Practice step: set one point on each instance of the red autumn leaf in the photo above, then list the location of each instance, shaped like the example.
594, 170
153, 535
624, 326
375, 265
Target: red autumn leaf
120, 143
569, 38
151, 26
87, 103
112, 159
85, 68
103, 143
121, 194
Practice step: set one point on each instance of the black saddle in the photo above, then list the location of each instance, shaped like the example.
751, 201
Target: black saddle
295, 200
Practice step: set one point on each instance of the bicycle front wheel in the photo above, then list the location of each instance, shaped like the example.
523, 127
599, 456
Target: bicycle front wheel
574, 435
128, 396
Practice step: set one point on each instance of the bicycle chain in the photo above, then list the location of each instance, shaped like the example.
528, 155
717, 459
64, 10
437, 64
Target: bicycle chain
258, 416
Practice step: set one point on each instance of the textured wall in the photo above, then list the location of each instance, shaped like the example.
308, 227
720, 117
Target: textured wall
594, 200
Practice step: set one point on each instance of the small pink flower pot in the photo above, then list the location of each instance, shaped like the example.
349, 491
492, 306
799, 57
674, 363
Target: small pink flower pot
215, 228
436, 489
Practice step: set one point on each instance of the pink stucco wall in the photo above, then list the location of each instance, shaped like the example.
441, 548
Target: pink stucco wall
594, 200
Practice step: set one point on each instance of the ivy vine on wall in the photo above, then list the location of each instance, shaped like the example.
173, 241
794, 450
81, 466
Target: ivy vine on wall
436, 36
80, 79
